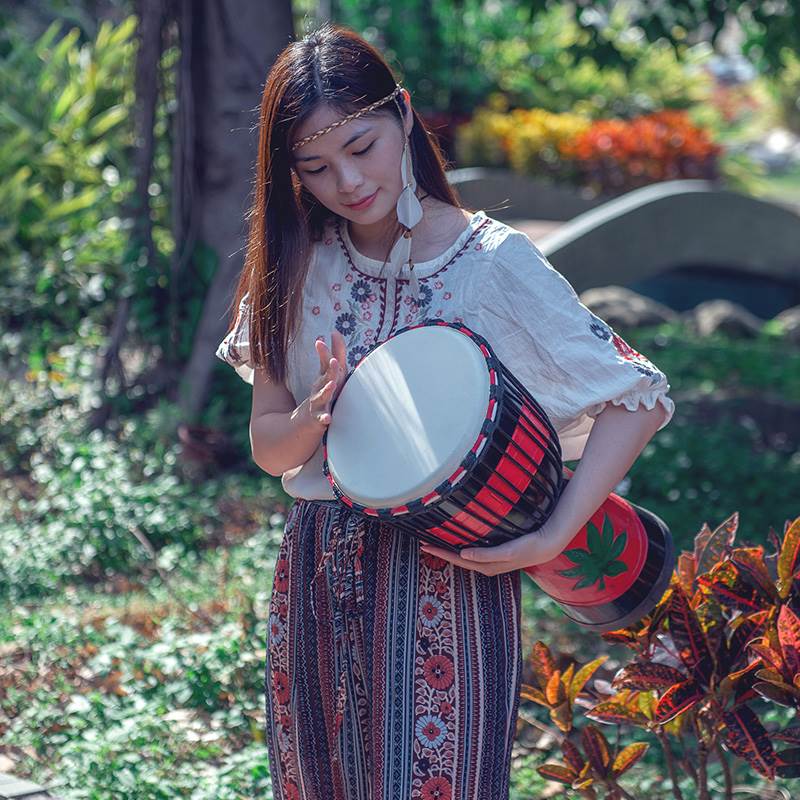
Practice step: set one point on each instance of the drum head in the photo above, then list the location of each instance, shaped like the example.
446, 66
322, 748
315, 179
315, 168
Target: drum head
407, 416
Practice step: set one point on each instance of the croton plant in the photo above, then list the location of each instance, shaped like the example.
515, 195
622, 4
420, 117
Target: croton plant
726, 633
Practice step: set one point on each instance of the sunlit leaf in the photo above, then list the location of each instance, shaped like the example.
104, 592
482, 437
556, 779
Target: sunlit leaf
557, 772
789, 638
678, 699
686, 571
583, 675
768, 655
729, 588
789, 558
700, 542
718, 544
542, 663
554, 691
627, 757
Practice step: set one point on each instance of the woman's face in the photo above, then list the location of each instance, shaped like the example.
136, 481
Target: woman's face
351, 162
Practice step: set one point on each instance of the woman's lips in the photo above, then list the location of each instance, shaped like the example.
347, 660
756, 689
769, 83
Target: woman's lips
364, 203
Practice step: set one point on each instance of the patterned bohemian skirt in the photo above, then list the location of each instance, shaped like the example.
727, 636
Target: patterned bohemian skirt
391, 674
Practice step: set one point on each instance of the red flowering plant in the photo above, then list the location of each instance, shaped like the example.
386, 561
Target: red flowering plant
725, 635
616, 155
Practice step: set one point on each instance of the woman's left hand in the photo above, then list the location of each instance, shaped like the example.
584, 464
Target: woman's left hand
532, 548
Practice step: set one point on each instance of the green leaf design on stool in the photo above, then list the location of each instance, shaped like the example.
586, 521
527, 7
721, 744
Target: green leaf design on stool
600, 560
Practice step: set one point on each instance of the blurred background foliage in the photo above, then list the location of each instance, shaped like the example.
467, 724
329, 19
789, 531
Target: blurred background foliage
64, 180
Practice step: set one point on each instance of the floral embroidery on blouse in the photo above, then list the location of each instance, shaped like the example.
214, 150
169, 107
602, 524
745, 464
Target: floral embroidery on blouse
425, 296
639, 362
346, 324
356, 354
360, 291
363, 307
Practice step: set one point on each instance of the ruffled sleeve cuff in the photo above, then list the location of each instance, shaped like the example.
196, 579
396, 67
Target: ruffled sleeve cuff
234, 349
574, 434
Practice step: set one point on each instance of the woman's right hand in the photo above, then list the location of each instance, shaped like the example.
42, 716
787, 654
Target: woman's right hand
332, 372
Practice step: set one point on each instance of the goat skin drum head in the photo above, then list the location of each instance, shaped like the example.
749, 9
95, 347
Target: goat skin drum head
407, 416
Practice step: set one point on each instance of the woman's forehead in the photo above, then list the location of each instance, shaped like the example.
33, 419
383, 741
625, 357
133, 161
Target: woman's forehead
336, 138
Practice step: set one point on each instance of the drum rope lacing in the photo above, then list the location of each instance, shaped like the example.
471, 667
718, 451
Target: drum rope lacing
342, 565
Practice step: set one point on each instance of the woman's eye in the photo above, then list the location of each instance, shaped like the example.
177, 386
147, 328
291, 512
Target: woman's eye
357, 153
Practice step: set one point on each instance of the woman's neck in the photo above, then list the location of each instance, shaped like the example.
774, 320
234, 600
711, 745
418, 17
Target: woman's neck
376, 239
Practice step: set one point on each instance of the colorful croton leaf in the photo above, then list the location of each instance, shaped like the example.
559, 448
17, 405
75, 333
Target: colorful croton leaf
711, 547
779, 654
597, 765
789, 559
557, 690
744, 735
640, 636
738, 676
580, 772
681, 686
600, 559
631, 707
689, 638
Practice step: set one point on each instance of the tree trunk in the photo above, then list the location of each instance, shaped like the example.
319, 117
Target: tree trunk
151, 17
232, 44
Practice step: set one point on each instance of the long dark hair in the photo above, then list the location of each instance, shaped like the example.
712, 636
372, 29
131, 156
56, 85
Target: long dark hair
334, 66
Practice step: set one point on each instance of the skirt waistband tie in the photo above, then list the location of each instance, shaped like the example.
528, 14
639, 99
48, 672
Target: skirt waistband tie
343, 556
341, 568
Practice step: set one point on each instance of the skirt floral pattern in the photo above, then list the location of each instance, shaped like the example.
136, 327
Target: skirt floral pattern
390, 673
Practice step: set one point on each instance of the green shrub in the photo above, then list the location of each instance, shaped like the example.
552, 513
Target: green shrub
698, 470
65, 169
76, 500
549, 63
137, 702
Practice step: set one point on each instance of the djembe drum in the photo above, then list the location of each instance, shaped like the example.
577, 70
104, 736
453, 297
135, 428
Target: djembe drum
432, 433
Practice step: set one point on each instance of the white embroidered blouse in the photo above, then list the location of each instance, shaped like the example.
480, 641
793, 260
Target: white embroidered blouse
494, 280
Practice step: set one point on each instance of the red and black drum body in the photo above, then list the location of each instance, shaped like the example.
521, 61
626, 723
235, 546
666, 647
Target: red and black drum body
432, 433
614, 570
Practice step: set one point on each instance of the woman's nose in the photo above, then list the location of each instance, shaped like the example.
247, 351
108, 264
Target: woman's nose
349, 180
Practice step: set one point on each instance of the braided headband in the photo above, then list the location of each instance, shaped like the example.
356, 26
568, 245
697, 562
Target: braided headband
398, 88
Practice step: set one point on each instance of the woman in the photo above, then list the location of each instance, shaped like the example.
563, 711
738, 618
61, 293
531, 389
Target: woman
393, 669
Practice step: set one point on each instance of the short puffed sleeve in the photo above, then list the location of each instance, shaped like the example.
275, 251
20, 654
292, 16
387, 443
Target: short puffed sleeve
571, 361
234, 349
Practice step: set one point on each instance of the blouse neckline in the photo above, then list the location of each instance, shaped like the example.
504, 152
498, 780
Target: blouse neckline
372, 266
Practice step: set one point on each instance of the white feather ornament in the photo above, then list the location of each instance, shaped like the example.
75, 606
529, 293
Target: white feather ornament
409, 213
